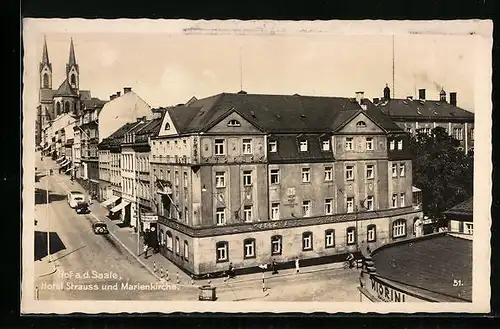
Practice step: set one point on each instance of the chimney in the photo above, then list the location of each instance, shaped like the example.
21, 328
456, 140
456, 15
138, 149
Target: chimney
359, 96
453, 98
421, 94
376, 100
112, 97
127, 90
118, 94
442, 95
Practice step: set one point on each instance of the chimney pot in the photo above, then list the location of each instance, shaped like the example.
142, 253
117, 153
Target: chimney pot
453, 98
127, 90
359, 96
376, 100
421, 94
118, 93
112, 97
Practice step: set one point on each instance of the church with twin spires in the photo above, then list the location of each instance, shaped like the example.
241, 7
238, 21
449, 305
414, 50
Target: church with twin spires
67, 98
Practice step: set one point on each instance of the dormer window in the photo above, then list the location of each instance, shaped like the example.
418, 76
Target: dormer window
303, 146
167, 126
361, 124
326, 145
233, 123
273, 146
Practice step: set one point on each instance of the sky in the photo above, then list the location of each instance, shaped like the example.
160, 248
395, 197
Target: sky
169, 68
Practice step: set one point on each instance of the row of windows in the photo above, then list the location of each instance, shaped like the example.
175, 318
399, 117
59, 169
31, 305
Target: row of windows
165, 146
368, 204
276, 242
143, 190
168, 241
128, 185
128, 162
168, 176
142, 164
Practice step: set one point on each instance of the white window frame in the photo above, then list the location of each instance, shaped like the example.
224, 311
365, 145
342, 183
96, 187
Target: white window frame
220, 179
398, 228
177, 246
306, 175
329, 238
247, 146
326, 145
371, 234
402, 199
307, 241
247, 213
247, 178
249, 246
328, 174
186, 250
394, 201
219, 147
329, 206
276, 245
185, 179
469, 228
400, 144
351, 235
303, 146
276, 174
222, 252
370, 171
349, 172
273, 146
394, 170
306, 208
350, 204
392, 145
220, 216
402, 169
370, 201
369, 143
275, 211
170, 242
348, 145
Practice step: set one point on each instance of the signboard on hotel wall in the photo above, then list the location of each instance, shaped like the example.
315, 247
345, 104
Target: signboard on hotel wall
149, 217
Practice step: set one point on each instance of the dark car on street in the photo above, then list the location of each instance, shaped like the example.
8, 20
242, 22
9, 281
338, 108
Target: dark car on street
100, 228
82, 208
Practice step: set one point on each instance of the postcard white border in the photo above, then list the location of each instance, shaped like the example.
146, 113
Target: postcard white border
480, 32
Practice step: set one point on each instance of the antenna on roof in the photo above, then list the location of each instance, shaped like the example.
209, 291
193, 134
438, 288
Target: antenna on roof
393, 69
241, 70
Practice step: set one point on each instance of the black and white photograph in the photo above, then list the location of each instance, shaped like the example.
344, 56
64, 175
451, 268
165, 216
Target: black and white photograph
256, 166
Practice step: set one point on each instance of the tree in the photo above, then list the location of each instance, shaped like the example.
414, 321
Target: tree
441, 170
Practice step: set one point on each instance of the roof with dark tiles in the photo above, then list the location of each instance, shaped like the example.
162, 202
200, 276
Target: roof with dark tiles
275, 113
46, 95
288, 149
65, 89
115, 138
463, 209
429, 265
423, 109
93, 103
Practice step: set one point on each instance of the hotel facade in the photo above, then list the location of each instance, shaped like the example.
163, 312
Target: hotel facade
244, 179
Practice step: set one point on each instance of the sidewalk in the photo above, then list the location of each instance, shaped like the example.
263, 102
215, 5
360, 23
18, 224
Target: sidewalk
128, 238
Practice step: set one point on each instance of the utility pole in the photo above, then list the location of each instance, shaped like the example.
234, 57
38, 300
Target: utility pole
47, 214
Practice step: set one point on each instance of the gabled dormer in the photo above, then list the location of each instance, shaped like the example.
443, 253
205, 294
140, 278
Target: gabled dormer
167, 127
233, 122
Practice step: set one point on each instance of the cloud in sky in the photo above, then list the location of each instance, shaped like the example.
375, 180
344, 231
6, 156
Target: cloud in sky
166, 69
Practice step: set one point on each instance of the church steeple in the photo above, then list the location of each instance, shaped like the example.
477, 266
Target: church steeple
45, 68
72, 70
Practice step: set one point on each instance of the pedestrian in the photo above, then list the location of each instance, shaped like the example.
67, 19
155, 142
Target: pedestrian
297, 265
350, 259
230, 272
274, 267
263, 281
145, 250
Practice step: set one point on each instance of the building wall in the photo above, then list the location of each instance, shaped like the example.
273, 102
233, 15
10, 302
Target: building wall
121, 110
205, 258
188, 263
458, 226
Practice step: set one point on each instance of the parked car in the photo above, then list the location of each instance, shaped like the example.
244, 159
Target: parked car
74, 197
82, 208
100, 228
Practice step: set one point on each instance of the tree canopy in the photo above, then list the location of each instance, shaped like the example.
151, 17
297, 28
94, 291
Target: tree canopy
441, 170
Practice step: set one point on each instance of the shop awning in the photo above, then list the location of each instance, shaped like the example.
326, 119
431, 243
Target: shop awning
61, 158
64, 163
46, 147
71, 168
119, 207
415, 189
110, 201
